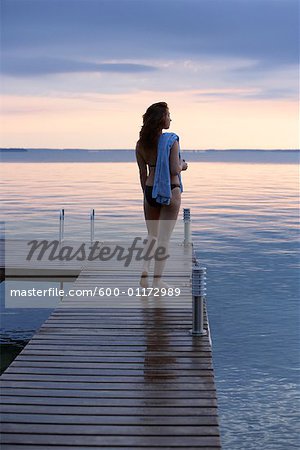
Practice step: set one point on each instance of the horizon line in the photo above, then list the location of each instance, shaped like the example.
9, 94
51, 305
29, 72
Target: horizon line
132, 150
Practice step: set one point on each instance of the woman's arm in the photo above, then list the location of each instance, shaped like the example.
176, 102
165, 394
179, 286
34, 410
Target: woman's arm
142, 167
176, 164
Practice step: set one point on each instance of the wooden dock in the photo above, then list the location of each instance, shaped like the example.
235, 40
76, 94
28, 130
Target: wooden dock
114, 373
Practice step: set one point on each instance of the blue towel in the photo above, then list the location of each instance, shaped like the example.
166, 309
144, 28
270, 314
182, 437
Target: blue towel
162, 181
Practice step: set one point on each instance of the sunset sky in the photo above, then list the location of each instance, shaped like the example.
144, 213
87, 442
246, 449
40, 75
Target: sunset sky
80, 73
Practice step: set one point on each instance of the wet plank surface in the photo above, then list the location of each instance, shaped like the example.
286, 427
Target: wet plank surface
113, 376
156, 390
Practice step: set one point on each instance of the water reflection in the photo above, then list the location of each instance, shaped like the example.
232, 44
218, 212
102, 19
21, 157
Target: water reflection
228, 199
158, 359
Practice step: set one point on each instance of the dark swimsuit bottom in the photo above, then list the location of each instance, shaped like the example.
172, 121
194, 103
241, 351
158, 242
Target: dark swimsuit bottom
152, 201
149, 189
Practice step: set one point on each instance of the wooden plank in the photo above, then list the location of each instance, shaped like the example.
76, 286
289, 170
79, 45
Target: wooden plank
181, 361
115, 367
107, 430
150, 402
113, 355
110, 410
57, 361
133, 374
176, 335
173, 320
113, 386
134, 328
119, 318
166, 339
154, 378
102, 344
117, 373
108, 441
60, 313
69, 419
138, 312
112, 350
115, 394
79, 447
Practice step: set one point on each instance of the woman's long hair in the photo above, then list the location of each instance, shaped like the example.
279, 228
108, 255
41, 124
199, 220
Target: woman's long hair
153, 123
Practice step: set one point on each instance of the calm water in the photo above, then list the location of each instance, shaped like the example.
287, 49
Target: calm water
244, 221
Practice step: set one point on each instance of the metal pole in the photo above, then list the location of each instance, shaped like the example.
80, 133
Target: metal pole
198, 293
187, 226
61, 224
61, 286
2, 269
92, 227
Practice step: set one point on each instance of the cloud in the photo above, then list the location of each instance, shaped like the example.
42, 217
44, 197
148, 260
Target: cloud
248, 94
36, 66
266, 30
125, 46
211, 79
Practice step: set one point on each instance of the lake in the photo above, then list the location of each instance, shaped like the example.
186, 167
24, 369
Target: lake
245, 231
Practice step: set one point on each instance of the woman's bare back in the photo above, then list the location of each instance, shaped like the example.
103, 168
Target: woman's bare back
150, 159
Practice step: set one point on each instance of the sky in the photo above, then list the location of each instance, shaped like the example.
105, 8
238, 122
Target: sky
81, 73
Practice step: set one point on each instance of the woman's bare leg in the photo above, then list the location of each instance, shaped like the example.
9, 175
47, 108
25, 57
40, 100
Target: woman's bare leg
152, 215
167, 221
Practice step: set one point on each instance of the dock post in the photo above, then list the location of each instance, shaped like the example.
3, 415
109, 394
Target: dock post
2, 251
198, 293
187, 226
61, 224
92, 227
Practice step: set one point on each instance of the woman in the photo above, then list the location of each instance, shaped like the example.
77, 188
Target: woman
160, 211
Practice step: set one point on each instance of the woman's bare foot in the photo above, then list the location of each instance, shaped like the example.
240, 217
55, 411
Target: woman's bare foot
159, 283
144, 280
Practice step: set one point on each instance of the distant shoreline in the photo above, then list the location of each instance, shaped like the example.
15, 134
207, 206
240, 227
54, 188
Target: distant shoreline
13, 149
19, 155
